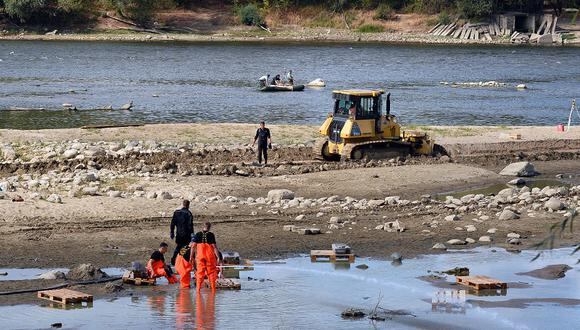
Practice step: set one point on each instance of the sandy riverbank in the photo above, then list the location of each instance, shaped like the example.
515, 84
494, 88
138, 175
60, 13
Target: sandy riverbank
106, 196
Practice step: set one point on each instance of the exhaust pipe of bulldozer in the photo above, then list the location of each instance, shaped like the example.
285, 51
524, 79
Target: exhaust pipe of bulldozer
388, 104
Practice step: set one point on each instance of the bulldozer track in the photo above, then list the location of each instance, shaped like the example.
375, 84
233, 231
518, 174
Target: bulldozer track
346, 154
317, 149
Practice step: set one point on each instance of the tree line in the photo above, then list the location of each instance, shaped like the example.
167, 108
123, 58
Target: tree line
62, 12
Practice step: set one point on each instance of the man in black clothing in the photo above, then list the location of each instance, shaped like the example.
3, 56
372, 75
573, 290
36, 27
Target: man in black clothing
183, 221
264, 142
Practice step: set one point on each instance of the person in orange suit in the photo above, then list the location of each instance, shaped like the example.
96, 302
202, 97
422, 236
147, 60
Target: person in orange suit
206, 255
184, 267
156, 266
184, 311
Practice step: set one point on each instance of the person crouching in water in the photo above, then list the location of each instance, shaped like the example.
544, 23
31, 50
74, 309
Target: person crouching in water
207, 256
156, 266
184, 266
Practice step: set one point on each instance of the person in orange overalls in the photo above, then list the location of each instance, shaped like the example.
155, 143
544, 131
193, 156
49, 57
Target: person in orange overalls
206, 255
184, 267
205, 311
156, 266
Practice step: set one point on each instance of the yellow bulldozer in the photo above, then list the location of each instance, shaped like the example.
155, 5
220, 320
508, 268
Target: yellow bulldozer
359, 129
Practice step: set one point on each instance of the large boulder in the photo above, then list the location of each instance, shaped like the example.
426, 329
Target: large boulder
277, 195
52, 275
554, 204
508, 215
85, 272
519, 169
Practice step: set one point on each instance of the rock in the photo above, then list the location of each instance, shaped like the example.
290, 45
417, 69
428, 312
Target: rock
394, 226
522, 86
453, 217
309, 231
396, 257
470, 228
54, 198
70, 153
90, 191
374, 203
514, 241
524, 169
277, 195
492, 230
457, 271
456, 242
485, 239
85, 272
551, 272
508, 215
113, 287
380, 227
114, 194
335, 220
151, 195
513, 235
439, 246
554, 204
56, 325
353, 313
517, 182
164, 195
300, 217
52, 275
362, 266
469, 240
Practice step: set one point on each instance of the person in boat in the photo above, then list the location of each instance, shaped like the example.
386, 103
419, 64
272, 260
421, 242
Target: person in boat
290, 78
264, 80
277, 81
206, 256
156, 266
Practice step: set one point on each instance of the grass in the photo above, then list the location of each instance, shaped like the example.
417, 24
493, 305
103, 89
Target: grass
371, 28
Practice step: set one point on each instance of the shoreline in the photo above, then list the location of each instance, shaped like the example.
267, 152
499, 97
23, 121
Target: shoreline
316, 36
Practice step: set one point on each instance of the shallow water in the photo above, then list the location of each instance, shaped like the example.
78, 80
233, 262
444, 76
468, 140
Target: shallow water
303, 295
215, 82
19, 274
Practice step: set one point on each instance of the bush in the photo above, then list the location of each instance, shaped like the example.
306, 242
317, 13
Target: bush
250, 15
23, 10
370, 28
475, 8
384, 12
141, 11
444, 18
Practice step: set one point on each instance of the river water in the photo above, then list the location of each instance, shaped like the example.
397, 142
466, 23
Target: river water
298, 294
216, 82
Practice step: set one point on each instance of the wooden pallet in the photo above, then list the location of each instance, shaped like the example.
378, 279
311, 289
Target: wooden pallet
129, 278
65, 296
480, 282
315, 255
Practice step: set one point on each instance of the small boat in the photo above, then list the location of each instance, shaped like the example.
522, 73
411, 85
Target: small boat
282, 88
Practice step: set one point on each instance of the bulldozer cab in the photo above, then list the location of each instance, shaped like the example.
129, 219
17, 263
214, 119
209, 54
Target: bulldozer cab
359, 104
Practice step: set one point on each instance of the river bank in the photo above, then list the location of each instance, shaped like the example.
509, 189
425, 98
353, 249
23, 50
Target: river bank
114, 190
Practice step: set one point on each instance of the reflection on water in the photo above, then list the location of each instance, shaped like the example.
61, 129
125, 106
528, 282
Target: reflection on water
305, 295
176, 82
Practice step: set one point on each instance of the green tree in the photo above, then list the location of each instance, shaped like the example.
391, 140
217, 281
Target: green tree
141, 11
475, 8
24, 10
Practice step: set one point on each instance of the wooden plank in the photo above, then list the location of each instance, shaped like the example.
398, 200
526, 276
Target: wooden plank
433, 28
554, 24
487, 37
542, 25
457, 33
549, 20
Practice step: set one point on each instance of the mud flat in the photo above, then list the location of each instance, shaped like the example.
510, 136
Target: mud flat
106, 196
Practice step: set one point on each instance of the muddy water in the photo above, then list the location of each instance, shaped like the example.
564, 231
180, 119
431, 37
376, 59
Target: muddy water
176, 82
297, 294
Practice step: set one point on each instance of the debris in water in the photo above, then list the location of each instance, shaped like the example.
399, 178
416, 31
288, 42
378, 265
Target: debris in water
353, 313
4, 274
457, 271
56, 325
86, 272
362, 266
551, 272
112, 287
